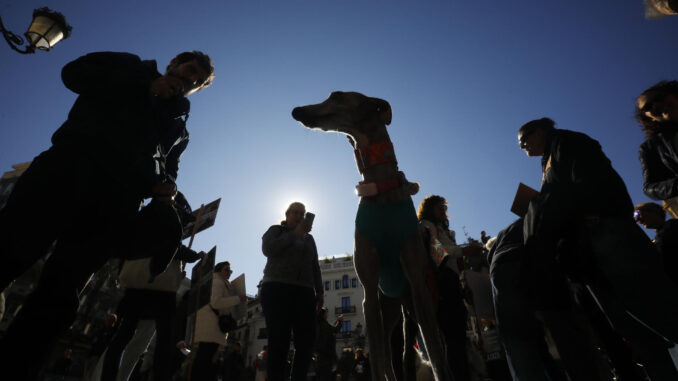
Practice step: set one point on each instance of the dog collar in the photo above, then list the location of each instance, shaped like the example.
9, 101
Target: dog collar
367, 189
373, 154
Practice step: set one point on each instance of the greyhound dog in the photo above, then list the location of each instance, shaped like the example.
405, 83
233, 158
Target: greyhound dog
389, 253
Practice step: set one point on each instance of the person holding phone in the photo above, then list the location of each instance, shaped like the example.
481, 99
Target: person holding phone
291, 292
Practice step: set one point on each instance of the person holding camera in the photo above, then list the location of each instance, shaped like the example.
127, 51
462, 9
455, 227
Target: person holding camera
208, 332
120, 144
291, 291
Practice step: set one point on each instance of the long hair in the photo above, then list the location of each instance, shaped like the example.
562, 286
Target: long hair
646, 101
425, 211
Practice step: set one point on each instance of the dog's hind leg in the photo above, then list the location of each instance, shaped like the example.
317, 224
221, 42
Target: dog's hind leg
414, 261
366, 261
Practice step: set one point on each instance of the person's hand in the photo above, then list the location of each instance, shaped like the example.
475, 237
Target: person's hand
166, 86
202, 255
473, 250
243, 298
164, 192
301, 229
319, 301
340, 318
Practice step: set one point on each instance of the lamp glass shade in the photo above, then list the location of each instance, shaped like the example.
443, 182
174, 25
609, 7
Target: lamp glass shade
44, 32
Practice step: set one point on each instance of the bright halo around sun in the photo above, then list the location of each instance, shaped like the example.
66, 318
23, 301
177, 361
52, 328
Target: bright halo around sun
301, 197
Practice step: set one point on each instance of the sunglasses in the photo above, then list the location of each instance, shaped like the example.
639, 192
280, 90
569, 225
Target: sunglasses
524, 137
298, 212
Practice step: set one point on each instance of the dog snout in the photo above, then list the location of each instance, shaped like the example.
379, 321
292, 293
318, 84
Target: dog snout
297, 113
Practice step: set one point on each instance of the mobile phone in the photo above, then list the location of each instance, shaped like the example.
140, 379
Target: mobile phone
309, 218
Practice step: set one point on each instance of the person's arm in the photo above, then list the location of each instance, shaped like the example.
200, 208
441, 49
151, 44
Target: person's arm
276, 240
658, 182
107, 72
187, 255
172, 160
338, 324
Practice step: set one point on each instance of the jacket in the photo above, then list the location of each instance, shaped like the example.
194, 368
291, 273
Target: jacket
578, 181
207, 325
666, 241
509, 245
291, 259
135, 139
659, 161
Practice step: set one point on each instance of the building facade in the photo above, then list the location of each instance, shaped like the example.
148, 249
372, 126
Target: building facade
344, 296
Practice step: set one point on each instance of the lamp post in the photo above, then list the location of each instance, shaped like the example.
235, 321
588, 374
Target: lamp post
46, 30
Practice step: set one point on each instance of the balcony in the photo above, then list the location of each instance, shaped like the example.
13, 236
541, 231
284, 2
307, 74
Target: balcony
344, 310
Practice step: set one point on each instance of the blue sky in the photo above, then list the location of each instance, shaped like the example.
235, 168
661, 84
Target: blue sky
461, 77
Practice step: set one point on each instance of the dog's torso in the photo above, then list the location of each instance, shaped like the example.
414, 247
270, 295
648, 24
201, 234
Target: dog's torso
388, 226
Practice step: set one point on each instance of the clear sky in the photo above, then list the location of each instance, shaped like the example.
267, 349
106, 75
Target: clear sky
461, 77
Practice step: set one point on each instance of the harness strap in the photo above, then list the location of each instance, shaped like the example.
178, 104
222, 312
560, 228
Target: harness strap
373, 154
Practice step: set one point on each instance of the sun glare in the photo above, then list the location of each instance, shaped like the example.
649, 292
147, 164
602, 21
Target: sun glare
299, 197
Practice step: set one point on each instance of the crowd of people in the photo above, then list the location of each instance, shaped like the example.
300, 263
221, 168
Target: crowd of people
575, 269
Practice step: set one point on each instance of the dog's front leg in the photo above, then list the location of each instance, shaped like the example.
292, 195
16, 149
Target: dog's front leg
366, 261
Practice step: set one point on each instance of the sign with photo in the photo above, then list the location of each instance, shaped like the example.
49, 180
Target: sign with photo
204, 220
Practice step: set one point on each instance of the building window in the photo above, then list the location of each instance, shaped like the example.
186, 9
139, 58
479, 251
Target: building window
346, 303
327, 285
344, 281
346, 326
354, 282
337, 284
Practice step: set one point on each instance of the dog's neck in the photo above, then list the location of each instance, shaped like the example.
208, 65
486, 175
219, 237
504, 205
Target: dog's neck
381, 166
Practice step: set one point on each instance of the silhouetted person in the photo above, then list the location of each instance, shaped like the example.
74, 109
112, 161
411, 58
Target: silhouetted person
657, 114
582, 221
291, 293
326, 344
120, 144
517, 317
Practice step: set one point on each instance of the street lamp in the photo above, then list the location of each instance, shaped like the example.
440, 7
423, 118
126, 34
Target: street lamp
48, 28
660, 8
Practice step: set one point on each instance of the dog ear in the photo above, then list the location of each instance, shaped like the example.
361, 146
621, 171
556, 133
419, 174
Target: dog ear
383, 108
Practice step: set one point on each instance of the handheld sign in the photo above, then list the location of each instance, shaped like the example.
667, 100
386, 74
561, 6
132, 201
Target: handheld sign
521, 202
204, 218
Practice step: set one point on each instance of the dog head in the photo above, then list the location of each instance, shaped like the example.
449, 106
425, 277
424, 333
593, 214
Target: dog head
347, 112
